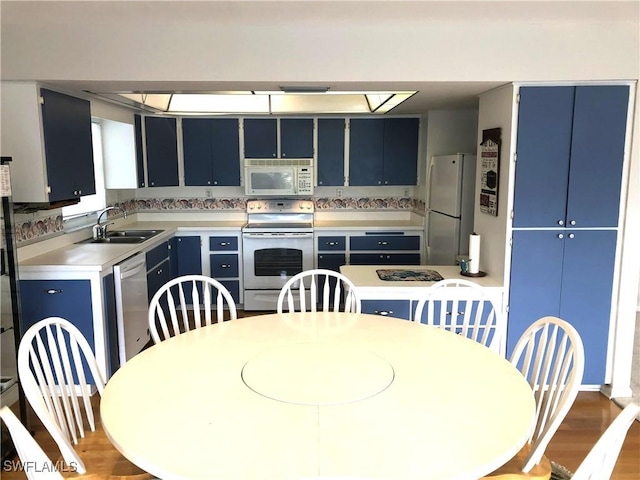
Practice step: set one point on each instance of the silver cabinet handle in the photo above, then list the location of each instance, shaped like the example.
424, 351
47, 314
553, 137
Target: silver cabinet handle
560, 236
572, 222
331, 244
571, 235
225, 265
223, 244
383, 243
384, 313
53, 291
560, 222
159, 272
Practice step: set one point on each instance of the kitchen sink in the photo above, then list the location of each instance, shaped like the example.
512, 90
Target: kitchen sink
124, 236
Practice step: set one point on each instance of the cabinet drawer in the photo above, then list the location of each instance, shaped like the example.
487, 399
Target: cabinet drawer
157, 255
223, 243
385, 242
387, 308
331, 243
224, 265
385, 259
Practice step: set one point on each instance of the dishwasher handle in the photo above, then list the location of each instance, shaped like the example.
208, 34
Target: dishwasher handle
132, 266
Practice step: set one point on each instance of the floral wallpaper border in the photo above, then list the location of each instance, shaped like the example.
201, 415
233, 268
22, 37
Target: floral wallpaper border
33, 229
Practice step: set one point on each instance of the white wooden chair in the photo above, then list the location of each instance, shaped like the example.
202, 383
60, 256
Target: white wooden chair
36, 465
54, 361
550, 355
186, 298
323, 287
477, 316
600, 461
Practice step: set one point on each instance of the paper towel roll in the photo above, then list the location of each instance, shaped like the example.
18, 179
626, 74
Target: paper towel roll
474, 253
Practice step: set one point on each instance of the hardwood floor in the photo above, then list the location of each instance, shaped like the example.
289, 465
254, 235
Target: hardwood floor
590, 415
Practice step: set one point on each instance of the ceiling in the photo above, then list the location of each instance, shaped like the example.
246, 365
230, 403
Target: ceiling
429, 96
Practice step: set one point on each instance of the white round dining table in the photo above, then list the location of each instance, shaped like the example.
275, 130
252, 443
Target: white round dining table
318, 395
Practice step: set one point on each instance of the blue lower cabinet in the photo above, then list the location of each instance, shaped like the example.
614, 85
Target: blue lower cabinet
188, 259
567, 274
234, 289
385, 259
224, 265
388, 308
68, 299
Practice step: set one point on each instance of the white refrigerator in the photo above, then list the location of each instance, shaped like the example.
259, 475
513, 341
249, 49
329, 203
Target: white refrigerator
450, 203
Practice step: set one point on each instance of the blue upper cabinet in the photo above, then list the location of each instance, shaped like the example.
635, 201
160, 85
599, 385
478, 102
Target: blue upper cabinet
366, 142
137, 125
68, 146
260, 138
570, 153
597, 150
162, 151
330, 168
296, 137
400, 151
211, 151
383, 151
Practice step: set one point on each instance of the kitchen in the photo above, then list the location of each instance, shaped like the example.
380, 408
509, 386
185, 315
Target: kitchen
63, 61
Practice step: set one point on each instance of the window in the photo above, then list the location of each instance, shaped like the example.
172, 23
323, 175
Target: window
91, 203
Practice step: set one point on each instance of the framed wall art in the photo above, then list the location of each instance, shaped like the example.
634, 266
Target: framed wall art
490, 169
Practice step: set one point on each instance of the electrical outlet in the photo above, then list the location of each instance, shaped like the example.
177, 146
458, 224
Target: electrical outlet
339, 192
209, 193
406, 192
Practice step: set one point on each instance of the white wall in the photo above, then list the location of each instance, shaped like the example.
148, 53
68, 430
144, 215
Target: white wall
312, 41
496, 111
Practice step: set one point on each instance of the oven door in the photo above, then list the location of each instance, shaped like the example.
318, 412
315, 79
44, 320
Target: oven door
270, 259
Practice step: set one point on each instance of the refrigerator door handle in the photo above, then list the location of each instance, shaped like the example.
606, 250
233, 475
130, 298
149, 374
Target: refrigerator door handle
429, 170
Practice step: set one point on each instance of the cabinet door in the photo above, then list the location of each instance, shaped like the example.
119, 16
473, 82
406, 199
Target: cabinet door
544, 147
366, 137
330, 168
567, 274
68, 299
68, 146
137, 125
211, 151
188, 256
157, 277
585, 302
400, 151
260, 138
197, 149
225, 151
331, 261
597, 155
296, 137
536, 280
162, 151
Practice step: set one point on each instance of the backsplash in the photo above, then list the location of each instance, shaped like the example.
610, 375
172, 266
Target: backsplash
32, 229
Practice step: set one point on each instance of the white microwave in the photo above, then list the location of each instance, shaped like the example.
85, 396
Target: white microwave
281, 180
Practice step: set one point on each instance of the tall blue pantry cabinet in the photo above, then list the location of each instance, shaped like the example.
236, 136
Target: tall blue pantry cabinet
568, 174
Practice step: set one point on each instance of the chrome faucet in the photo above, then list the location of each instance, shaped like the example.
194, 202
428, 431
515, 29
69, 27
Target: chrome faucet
100, 230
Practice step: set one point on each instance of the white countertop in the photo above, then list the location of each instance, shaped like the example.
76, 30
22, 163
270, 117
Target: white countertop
98, 257
65, 255
318, 395
370, 286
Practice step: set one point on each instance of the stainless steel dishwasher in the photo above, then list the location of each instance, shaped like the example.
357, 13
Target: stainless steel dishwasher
130, 278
